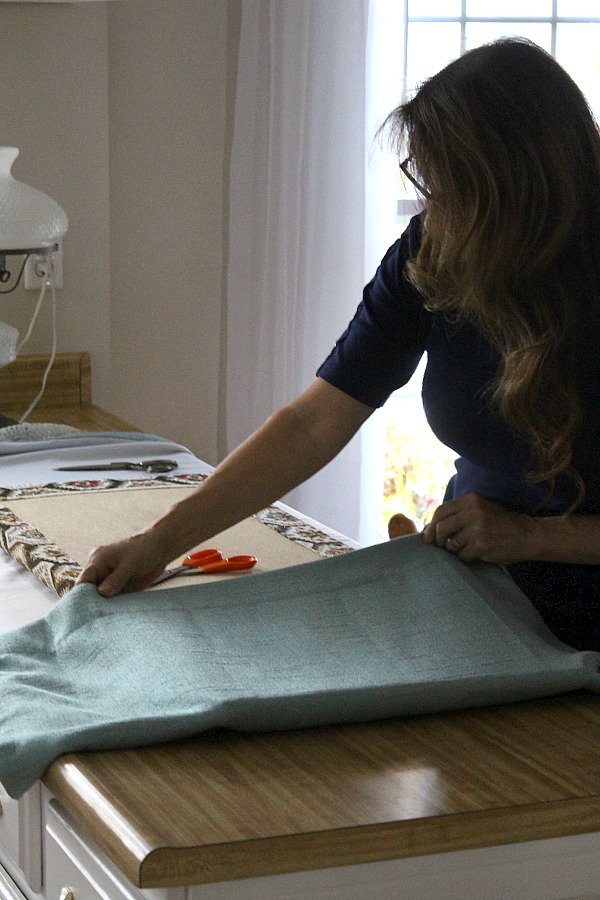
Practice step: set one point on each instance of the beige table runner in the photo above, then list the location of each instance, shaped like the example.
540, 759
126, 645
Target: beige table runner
55, 530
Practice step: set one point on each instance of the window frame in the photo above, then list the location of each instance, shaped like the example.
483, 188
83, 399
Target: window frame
406, 205
554, 20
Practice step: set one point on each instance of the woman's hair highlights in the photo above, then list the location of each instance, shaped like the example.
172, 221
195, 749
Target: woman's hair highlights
509, 150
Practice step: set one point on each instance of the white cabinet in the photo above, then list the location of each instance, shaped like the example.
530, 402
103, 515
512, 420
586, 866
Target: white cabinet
36, 834
72, 860
8, 889
69, 865
75, 868
21, 838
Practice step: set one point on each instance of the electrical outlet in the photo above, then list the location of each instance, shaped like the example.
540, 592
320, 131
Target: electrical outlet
35, 270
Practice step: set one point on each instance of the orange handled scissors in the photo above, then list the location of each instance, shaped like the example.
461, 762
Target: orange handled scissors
208, 562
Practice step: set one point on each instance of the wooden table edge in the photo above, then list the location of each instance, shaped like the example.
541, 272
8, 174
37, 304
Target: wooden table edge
369, 843
149, 866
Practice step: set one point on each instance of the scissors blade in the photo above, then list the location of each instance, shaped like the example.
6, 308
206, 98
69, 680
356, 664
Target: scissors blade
172, 573
149, 465
191, 564
212, 564
97, 467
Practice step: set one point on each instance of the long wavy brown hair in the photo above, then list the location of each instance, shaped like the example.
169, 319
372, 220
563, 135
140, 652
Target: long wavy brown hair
509, 151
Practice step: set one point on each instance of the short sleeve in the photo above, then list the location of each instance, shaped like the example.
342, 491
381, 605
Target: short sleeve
382, 346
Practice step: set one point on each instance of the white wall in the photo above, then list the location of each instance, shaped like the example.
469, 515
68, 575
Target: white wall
167, 100
122, 112
54, 102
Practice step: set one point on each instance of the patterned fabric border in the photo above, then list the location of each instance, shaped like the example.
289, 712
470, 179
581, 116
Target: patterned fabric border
57, 571
301, 532
98, 484
33, 550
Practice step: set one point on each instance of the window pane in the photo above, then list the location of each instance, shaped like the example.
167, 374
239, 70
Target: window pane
417, 466
504, 8
578, 51
431, 46
478, 33
589, 9
438, 8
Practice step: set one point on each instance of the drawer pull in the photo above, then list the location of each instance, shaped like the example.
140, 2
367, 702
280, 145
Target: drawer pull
67, 894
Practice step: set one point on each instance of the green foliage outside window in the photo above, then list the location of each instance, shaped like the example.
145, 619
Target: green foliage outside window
417, 470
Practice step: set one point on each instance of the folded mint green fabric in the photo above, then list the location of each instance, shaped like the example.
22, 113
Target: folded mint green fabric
396, 629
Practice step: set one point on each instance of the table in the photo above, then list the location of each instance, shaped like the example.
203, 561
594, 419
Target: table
501, 802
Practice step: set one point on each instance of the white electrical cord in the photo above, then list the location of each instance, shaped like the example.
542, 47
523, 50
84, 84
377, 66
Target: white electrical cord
48, 275
48, 280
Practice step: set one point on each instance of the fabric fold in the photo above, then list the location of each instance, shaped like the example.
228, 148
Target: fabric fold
395, 629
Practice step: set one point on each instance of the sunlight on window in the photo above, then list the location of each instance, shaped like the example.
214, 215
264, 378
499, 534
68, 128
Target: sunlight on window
417, 466
436, 8
431, 46
578, 50
478, 33
512, 9
584, 9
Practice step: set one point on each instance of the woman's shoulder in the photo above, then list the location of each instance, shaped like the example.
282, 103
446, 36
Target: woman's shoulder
407, 245
390, 286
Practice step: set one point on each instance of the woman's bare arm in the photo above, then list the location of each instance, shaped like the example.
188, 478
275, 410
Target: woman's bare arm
292, 445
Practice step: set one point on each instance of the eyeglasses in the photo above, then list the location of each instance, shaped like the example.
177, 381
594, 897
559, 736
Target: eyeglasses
405, 168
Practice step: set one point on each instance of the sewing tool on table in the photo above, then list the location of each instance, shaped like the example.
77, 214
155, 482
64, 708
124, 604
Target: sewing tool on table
208, 562
156, 466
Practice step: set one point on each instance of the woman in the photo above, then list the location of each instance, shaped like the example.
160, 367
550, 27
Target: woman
498, 282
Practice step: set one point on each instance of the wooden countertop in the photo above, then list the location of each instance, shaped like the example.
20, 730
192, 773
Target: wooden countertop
67, 399
229, 806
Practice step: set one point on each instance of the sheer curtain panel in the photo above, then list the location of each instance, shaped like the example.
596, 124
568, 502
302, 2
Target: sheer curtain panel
297, 219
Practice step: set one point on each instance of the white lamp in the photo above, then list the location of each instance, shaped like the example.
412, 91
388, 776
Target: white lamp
30, 224
30, 221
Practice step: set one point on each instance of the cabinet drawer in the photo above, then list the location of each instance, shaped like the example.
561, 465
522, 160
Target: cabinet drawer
21, 836
70, 863
72, 860
63, 873
8, 889
9, 829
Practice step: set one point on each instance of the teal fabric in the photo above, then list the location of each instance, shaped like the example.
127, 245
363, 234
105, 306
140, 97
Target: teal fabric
396, 629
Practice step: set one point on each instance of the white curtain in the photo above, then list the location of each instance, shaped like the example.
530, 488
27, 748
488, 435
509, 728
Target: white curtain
384, 87
303, 134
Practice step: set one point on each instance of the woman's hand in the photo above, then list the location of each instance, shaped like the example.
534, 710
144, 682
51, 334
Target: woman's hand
475, 528
130, 565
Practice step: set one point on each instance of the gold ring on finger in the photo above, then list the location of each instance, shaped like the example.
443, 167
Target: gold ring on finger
452, 545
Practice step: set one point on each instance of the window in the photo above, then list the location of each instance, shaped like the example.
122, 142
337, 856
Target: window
437, 31
417, 465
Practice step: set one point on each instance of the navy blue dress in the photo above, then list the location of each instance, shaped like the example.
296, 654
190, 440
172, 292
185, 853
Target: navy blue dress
386, 339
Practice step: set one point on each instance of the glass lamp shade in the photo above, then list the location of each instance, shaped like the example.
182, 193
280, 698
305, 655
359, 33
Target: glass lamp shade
29, 219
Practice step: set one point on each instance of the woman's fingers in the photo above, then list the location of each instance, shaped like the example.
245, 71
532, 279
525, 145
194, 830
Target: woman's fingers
129, 565
473, 527
445, 523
